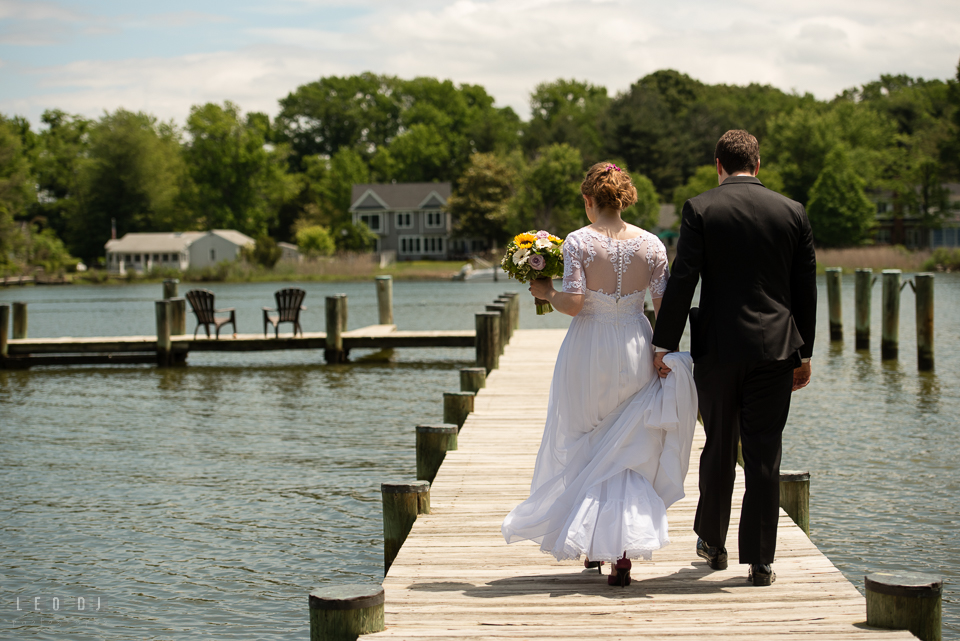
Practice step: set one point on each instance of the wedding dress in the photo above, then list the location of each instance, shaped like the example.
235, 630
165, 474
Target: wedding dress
616, 445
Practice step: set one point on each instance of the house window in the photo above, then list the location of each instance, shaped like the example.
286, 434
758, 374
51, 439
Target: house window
433, 245
166, 257
404, 220
420, 245
156, 257
434, 219
371, 220
136, 258
411, 245
127, 258
213, 255
883, 236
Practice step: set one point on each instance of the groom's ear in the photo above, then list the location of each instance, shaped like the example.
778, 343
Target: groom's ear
756, 170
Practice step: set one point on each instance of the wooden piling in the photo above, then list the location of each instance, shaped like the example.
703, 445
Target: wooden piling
19, 320
923, 287
795, 497
863, 291
344, 612
488, 338
905, 601
834, 306
402, 502
501, 309
472, 379
333, 352
507, 316
890, 326
178, 318
5, 326
170, 287
343, 311
515, 311
433, 443
164, 344
457, 406
385, 299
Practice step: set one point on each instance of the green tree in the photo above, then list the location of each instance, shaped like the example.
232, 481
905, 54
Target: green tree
840, 212
314, 241
704, 179
799, 143
646, 212
16, 194
549, 195
354, 237
45, 249
319, 118
567, 111
238, 182
134, 173
263, 252
480, 205
62, 150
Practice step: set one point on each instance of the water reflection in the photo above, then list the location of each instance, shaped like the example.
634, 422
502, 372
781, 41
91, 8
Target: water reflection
863, 365
928, 392
892, 375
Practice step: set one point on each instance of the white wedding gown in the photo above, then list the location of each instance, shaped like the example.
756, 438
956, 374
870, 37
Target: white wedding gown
616, 445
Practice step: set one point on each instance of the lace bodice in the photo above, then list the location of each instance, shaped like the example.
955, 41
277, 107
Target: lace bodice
615, 268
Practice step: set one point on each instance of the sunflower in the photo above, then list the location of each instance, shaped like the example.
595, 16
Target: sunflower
525, 238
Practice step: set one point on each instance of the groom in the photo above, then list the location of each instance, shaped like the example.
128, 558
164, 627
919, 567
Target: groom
751, 342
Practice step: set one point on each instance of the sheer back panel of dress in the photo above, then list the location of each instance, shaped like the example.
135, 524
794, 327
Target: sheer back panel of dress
617, 268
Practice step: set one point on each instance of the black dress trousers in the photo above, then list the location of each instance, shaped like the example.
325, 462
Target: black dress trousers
748, 403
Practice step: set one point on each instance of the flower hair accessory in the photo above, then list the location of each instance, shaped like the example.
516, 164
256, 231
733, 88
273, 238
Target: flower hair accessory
611, 166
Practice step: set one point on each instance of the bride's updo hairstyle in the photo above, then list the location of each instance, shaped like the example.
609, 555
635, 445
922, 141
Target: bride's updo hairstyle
609, 186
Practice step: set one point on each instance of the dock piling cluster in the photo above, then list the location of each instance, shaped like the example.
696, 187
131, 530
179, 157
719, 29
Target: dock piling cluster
893, 284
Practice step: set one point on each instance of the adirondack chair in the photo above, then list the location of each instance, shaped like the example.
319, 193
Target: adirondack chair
201, 300
287, 311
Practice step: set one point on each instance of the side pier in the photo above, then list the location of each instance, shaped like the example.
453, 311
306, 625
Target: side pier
455, 578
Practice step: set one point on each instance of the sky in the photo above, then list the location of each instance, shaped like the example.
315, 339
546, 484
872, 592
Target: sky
88, 56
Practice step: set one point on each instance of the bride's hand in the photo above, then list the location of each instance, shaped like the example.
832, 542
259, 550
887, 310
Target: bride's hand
541, 288
662, 369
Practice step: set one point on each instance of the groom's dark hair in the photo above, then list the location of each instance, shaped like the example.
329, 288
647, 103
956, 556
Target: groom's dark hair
738, 151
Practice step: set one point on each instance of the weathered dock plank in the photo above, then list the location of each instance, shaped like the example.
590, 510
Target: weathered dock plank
372, 337
455, 578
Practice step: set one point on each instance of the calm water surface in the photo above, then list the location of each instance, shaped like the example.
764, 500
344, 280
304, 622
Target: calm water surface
209, 500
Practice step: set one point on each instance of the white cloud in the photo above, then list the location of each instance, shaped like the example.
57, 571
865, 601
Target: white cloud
511, 45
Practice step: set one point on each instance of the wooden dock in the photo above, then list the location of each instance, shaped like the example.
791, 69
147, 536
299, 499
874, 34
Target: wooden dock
28, 352
455, 578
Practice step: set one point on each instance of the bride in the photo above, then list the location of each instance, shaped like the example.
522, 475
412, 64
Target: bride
617, 440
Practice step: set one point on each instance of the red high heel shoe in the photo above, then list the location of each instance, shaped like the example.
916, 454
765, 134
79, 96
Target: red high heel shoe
587, 563
620, 572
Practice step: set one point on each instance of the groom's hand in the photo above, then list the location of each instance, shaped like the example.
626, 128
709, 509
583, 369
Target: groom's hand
801, 376
662, 369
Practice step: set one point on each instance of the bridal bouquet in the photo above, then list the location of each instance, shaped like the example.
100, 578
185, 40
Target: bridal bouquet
532, 255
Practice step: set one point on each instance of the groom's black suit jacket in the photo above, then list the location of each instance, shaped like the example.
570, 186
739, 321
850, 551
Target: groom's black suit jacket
753, 249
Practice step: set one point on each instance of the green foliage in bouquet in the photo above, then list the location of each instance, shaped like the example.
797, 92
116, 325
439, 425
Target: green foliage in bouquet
532, 255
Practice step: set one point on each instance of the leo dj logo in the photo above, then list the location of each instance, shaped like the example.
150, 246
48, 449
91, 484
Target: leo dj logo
51, 604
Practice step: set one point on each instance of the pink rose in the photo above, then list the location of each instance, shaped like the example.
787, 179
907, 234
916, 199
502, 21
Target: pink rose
537, 262
542, 234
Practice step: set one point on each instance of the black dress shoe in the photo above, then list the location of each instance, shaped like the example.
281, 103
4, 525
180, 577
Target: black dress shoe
716, 556
761, 574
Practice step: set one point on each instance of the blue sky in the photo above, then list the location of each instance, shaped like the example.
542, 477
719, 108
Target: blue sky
95, 55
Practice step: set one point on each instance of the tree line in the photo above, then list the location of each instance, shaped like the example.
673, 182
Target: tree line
290, 177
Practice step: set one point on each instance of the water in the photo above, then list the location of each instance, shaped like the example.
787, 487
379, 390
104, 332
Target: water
210, 500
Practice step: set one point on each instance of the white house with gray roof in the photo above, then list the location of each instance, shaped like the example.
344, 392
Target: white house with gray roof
409, 219
176, 250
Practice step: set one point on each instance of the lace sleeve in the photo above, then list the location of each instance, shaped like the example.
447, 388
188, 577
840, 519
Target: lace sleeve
572, 269
659, 272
